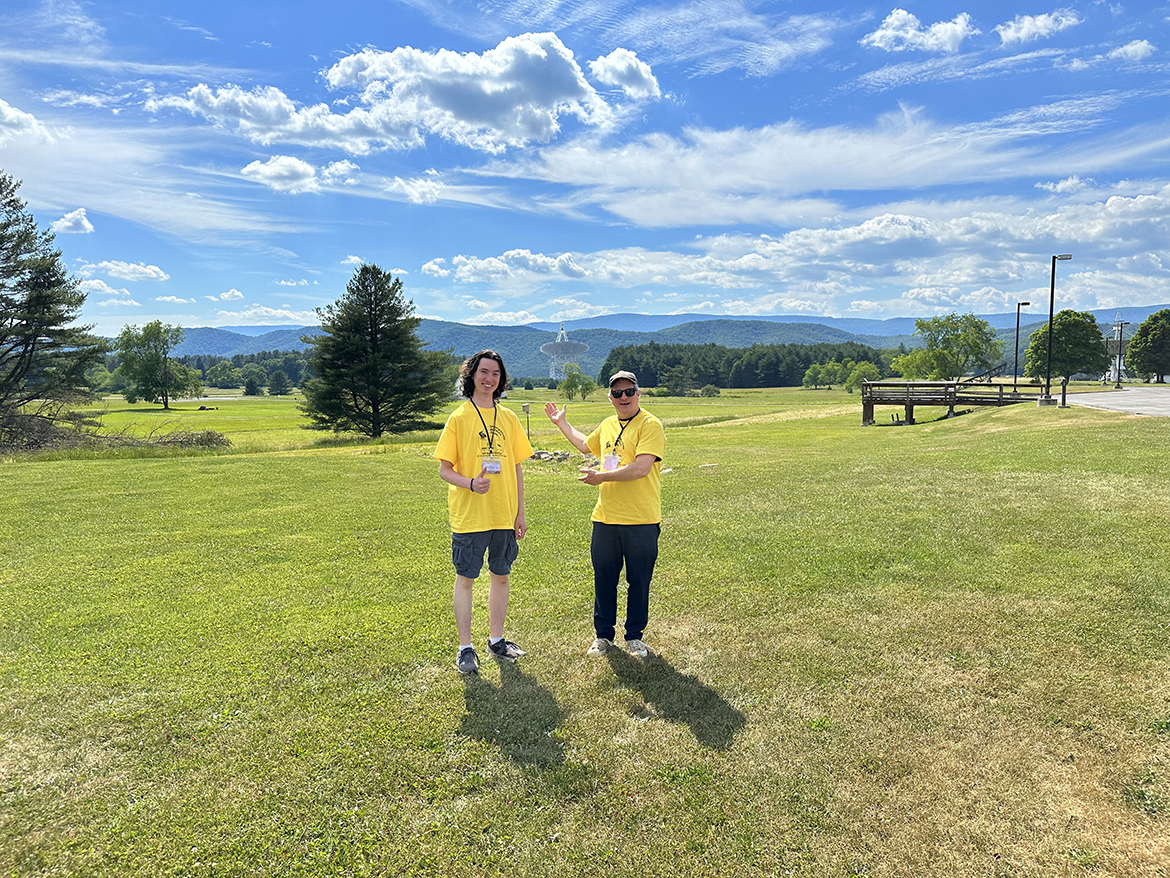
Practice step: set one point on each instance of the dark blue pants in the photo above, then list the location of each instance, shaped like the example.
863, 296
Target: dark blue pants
635, 546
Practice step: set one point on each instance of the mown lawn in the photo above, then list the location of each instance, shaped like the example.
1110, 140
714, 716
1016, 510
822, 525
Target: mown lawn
932, 650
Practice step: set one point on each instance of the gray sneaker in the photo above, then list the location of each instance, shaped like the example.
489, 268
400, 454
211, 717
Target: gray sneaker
468, 661
600, 646
505, 650
638, 649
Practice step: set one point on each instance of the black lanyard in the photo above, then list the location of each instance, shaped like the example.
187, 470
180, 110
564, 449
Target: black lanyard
491, 435
618, 440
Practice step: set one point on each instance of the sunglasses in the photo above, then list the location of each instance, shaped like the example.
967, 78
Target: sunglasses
629, 393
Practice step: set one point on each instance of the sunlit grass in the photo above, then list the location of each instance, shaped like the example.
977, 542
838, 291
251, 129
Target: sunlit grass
932, 650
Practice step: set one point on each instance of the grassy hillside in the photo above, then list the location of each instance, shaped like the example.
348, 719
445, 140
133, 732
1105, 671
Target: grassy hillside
929, 651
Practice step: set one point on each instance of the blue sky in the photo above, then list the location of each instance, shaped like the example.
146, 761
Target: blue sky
219, 164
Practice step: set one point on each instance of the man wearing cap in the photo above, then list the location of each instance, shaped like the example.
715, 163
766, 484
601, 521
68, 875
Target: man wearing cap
628, 516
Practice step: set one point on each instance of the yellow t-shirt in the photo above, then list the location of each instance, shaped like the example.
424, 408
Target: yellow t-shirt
465, 443
639, 501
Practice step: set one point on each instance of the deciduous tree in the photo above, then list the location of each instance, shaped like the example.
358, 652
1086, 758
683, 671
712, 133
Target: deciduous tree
373, 375
576, 382
148, 369
955, 345
1148, 352
1077, 346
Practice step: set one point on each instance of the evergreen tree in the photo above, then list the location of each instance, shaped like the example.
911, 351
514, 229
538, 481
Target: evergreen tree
278, 383
372, 374
44, 358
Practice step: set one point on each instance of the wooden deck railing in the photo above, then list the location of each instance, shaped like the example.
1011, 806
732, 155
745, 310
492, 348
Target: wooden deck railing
909, 394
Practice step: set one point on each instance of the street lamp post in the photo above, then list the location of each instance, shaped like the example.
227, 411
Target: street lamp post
1016, 367
1051, 304
1121, 324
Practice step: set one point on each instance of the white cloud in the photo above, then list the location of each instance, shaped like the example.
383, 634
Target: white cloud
902, 30
353, 260
575, 309
419, 190
715, 36
17, 123
1138, 50
1066, 186
509, 96
124, 270
1024, 28
515, 263
101, 288
435, 267
283, 173
73, 223
175, 300
231, 294
292, 283
340, 172
124, 302
259, 314
502, 318
622, 68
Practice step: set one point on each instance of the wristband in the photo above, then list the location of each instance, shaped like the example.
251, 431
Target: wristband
471, 485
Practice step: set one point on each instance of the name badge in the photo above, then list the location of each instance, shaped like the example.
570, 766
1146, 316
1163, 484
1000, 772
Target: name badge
610, 462
492, 465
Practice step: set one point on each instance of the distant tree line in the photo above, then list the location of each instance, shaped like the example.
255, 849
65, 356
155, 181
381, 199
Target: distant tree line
688, 366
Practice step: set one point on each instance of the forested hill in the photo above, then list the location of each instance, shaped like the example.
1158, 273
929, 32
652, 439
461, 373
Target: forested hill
520, 345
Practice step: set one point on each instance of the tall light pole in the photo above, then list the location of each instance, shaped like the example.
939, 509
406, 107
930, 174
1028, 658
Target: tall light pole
1121, 324
1016, 367
1051, 304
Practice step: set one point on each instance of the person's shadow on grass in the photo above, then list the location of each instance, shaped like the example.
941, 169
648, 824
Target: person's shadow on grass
519, 716
679, 698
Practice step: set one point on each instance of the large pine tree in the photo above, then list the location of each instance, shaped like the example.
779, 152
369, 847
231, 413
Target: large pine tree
44, 356
371, 372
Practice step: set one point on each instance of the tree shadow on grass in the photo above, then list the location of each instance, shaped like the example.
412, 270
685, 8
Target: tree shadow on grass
678, 698
519, 716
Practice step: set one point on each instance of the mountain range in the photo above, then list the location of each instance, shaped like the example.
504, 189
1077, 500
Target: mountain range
520, 345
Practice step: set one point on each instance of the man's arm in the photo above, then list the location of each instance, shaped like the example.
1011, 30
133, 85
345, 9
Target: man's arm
561, 418
638, 468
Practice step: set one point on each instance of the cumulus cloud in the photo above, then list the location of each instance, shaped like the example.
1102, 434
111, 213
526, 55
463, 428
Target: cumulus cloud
509, 96
17, 123
515, 263
292, 283
340, 172
435, 267
353, 260
73, 223
175, 300
902, 31
418, 190
283, 173
1138, 50
1067, 185
229, 296
1024, 28
124, 270
98, 287
623, 69
260, 314
503, 318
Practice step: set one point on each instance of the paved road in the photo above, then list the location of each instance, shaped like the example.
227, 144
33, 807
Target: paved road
1144, 400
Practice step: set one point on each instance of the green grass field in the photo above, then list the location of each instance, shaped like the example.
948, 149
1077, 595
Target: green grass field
940, 650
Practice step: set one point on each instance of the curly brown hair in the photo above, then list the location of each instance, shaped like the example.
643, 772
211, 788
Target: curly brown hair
467, 373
